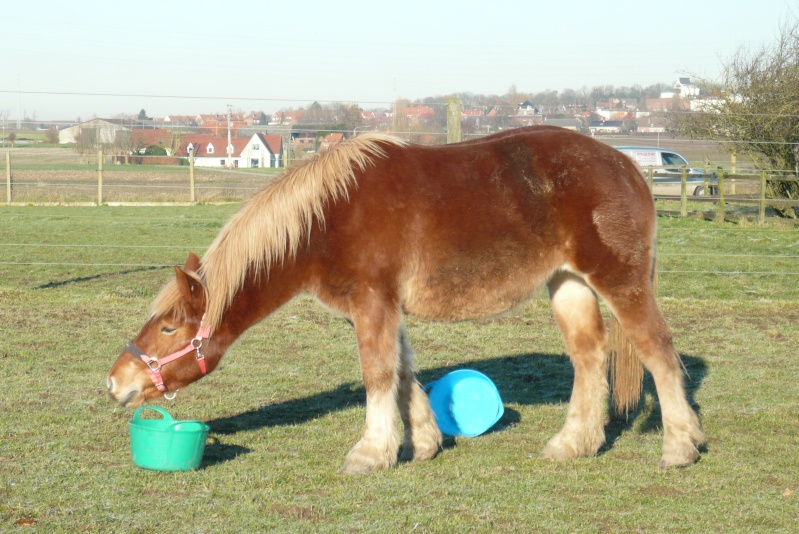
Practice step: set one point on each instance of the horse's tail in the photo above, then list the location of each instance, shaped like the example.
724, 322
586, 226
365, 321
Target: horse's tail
626, 369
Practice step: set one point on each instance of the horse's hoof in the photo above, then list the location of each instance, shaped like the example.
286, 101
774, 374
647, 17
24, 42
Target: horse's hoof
556, 455
558, 452
412, 452
568, 446
424, 447
687, 457
364, 459
355, 469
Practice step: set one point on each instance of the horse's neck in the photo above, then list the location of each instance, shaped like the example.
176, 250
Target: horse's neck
260, 297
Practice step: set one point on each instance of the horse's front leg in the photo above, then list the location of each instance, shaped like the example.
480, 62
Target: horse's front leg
377, 325
422, 437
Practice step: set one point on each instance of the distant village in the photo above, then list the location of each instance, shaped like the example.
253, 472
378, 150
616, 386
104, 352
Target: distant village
261, 140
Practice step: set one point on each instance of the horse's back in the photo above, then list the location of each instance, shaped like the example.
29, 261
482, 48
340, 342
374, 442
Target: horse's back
471, 230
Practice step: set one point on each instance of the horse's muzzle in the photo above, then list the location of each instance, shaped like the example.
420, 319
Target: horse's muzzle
124, 396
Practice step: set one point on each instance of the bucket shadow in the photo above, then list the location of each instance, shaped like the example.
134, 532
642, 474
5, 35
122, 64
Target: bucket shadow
217, 452
524, 379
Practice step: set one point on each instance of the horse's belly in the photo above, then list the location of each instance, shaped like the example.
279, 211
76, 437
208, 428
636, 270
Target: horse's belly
458, 292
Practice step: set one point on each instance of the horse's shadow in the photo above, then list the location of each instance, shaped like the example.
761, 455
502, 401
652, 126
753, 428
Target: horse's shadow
524, 379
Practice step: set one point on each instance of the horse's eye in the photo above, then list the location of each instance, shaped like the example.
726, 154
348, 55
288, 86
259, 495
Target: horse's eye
168, 331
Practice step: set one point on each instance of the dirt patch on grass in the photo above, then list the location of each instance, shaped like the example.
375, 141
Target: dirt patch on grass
306, 513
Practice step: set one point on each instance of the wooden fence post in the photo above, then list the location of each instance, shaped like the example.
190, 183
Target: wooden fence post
100, 178
453, 120
651, 176
8, 177
721, 213
191, 175
762, 215
684, 192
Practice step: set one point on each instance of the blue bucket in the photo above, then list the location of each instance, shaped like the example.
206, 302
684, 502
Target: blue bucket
465, 403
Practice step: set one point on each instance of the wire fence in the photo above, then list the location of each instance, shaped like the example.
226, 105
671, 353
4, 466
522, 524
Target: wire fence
732, 189
57, 176
44, 247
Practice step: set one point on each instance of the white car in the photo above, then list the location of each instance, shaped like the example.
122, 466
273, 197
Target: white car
668, 170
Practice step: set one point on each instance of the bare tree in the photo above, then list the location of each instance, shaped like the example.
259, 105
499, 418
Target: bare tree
399, 122
755, 109
52, 135
175, 140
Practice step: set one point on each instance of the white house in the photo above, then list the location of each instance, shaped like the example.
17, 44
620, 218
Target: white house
258, 151
262, 151
685, 88
212, 151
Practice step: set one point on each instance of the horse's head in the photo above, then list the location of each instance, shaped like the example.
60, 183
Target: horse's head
167, 353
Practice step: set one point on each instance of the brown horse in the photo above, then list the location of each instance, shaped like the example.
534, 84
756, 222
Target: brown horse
376, 228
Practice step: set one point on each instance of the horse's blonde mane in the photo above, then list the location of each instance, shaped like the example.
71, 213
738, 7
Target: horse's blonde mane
273, 223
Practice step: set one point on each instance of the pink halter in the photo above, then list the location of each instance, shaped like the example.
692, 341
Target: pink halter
154, 364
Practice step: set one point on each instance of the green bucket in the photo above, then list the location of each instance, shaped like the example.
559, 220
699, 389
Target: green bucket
165, 444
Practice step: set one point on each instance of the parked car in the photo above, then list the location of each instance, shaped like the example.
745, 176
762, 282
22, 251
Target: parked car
668, 170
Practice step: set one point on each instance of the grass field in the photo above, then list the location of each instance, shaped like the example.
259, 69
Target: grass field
287, 402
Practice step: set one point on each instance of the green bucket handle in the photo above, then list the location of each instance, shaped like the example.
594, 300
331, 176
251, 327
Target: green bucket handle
163, 412
168, 422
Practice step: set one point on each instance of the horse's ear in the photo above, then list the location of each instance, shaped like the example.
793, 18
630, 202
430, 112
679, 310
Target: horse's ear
192, 263
191, 289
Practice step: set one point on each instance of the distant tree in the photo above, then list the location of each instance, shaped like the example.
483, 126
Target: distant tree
547, 101
86, 140
137, 145
175, 139
755, 110
123, 144
513, 97
349, 117
143, 115
52, 135
12, 136
399, 121
569, 97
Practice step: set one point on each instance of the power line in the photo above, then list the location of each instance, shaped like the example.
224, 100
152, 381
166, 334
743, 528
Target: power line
187, 97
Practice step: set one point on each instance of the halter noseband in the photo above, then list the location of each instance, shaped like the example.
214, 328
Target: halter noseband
154, 365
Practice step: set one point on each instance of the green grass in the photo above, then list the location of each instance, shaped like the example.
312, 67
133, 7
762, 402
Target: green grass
287, 402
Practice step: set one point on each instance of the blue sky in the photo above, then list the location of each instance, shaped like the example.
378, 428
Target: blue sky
198, 57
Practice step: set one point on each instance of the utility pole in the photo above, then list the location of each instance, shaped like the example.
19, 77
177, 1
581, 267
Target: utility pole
453, 120
229, 145
19, 105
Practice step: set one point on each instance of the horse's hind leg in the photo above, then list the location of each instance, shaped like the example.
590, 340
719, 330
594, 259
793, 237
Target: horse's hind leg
577, 313
422, 436
635, 308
